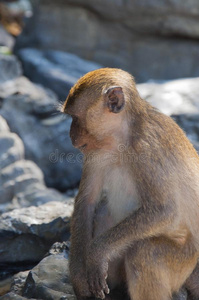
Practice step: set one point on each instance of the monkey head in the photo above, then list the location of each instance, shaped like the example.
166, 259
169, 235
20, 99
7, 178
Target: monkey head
98, 104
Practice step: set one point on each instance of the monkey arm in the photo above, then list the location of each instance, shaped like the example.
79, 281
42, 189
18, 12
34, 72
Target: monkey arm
82, 222
144, 223
141, 224
81, 233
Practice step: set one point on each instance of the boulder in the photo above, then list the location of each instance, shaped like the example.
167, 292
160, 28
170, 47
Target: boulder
31, 112
6, 40
18, 282
150, 38
178, 99
3, 125
21, 181
26, 234
13, 296
54, 69
49, 280
179, 96
11, 149
10, 68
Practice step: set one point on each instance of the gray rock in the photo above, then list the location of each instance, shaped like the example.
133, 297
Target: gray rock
49, 280
150, 38
12, 286
34, 99
54, 69
172, 97
26, 234
11, 148
18, 282
179, 99
45, 133
10, 68
13, 296
21, 181
3, 125
5, 38
5, 285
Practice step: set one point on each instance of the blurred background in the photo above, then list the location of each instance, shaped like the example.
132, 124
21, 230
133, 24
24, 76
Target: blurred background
45, 46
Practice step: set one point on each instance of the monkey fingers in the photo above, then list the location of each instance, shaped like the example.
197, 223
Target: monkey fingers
97, 282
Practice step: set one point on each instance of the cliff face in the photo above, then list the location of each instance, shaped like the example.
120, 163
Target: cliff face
150, 38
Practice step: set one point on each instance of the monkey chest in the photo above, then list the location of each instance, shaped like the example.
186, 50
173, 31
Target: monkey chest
119, 189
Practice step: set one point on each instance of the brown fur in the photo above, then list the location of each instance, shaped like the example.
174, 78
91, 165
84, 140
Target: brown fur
136, 216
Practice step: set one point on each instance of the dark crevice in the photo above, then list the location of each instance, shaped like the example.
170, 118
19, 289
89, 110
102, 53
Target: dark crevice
9, 269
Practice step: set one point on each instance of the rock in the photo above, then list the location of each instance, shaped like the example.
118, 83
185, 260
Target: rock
50, 278
21, 181
11, 149
134, 35
13, 285
26, 234
13, 296
6, 39
35, 99
54, 69
18, 282
9, 68
178, 99
5, 286
172, 97
45, 134
3, 125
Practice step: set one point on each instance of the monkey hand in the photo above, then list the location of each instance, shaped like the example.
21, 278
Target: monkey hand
97, 273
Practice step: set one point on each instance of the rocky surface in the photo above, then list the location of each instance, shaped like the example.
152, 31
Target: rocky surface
178, 99
54, 69
49, 280
31, 112
10, 68
6, 40
27, 233
21, 181
150, 38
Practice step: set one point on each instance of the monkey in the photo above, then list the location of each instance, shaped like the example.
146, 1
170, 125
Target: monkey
136, 216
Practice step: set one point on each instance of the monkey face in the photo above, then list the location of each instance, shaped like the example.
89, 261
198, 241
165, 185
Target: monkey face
96, 128
98, 109
78, 134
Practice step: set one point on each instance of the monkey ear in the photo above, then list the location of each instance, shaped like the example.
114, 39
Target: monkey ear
114, 98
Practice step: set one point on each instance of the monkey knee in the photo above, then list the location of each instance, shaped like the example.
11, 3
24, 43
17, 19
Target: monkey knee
144, 276
148, 288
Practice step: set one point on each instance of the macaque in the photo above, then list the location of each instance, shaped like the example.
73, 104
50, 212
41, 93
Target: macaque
135, 226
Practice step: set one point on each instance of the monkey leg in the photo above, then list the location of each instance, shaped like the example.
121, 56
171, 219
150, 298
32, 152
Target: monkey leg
156, 268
